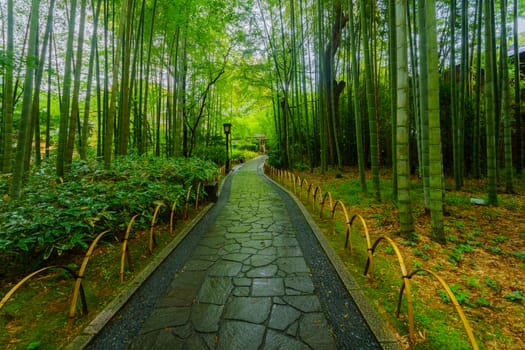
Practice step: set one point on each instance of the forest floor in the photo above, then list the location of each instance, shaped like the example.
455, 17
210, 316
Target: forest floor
483, 260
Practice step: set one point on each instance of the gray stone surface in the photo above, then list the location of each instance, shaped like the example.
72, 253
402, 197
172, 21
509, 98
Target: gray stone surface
205, 317
240, 335
292, 265
265, 271
282, 317
215, 290
312, 331
267, 286
225, 268
304, 303
253, 310
277, 340
246, 284
301, 284
166, 317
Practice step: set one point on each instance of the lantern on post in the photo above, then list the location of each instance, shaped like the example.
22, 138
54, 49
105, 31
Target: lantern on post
227, 130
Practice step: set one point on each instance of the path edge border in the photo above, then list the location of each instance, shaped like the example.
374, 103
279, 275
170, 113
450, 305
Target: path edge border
91, 330
375, 322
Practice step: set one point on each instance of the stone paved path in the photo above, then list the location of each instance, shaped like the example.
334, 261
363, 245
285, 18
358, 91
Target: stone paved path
245, 286
251, 274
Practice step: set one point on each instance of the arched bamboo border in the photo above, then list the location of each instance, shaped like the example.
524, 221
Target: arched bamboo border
73, 274
80, 275
303, 181
452, 297
323, 201
367, 235
172, 215
348, 224
404, 276
314, 196
197, 196
152, 240
125, 249
187, 202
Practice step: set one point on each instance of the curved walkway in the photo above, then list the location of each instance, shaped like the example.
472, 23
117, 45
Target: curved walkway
250, 275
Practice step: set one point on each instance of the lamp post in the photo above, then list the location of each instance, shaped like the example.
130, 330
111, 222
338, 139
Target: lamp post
227, 130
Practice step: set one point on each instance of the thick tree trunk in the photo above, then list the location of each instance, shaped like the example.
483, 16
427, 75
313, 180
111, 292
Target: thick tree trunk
392, 47
110, 120
476, 132
25, 119
424, 98
85, 124
505, 95
332, 88
372, 123
517, 95
125, 88
403, 131
435, 158
490, 103
66, 88
75, 106
35, 112
6, 161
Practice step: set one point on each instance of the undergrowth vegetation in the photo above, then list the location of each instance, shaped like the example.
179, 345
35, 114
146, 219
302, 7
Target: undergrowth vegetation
56, 216
482, 261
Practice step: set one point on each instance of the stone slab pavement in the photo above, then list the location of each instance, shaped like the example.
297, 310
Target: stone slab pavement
246, 283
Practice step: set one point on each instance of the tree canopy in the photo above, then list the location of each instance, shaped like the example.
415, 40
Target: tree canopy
99, 79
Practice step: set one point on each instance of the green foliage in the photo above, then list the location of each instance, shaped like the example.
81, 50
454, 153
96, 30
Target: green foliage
455, 253
388, 250
459, 224
409, 243
274, 159
473, 282
494, 250
243, 155
440, 335
54, 217
500, 239
216, 154
520, 255
515, 296
301, 166
461, 295
481, 301
421, 254
492, 284
34, 345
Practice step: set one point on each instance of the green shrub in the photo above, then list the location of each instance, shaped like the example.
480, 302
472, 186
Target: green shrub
215, 153
54, 217
274, 159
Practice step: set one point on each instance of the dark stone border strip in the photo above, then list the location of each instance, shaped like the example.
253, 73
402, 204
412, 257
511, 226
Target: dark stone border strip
373, 320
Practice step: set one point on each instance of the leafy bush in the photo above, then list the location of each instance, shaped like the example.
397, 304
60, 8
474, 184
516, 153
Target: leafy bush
55, 216
243, 155
215, 153
274, 159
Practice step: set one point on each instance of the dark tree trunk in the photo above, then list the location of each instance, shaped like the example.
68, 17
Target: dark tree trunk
331, 86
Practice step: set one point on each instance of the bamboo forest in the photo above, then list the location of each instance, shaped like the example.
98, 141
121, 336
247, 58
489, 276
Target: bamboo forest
409, 113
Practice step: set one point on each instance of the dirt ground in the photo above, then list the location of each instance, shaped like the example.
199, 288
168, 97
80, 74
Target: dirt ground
483, 260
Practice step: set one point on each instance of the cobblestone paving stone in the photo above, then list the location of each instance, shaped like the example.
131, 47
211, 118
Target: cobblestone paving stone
245, 286
250, 275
